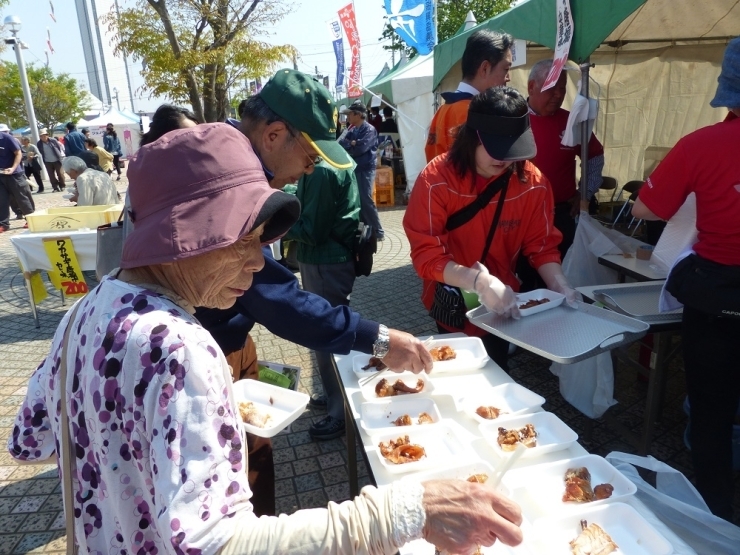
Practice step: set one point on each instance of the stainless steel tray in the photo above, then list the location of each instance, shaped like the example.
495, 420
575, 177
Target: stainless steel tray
640, 302
564, 334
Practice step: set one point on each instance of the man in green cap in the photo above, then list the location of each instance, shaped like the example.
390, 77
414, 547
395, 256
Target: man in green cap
291, 124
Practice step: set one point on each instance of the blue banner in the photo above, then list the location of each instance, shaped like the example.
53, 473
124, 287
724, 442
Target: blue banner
413, 21
339, 53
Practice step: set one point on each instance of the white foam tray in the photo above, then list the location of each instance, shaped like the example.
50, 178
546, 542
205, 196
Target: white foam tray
283, 405
471, 355
439, 442
511, 398
539, 488
409, 378
378, 416
552, 433
556, 299
630, 531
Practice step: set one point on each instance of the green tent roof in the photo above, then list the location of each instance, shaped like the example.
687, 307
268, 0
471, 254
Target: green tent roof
534, 20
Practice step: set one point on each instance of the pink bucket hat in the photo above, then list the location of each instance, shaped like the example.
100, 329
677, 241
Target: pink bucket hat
199, 189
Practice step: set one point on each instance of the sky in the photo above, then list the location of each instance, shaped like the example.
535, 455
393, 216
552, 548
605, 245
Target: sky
305, 28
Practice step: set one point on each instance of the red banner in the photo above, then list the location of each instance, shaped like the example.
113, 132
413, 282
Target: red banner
347, 17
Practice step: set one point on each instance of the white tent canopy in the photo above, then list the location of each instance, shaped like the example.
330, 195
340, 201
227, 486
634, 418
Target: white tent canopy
128, 130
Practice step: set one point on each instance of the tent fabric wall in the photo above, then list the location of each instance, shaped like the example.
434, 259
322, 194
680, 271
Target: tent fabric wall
128, 130
650, 95
416, 110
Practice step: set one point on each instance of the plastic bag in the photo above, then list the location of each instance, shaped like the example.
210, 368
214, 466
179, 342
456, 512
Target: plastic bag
679, 234
592, 240
588, 385
675, 501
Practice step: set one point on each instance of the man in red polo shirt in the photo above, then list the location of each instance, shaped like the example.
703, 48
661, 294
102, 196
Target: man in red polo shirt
555, 160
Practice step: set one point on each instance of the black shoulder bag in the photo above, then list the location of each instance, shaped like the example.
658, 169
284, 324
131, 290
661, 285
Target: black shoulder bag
448, 307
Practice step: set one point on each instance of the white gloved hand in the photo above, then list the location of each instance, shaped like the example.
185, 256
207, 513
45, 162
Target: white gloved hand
494, 295
560, 285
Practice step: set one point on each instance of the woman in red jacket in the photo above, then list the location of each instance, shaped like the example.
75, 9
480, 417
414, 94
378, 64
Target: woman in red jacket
495, 142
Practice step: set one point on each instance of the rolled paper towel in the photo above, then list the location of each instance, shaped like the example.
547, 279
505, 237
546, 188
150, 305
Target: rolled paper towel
644, 252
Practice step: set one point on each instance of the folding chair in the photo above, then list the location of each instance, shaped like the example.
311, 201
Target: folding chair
633, 188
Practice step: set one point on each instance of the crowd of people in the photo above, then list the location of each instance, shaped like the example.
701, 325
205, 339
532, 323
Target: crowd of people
152, 353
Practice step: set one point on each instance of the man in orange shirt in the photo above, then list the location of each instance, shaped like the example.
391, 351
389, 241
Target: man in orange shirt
485, 63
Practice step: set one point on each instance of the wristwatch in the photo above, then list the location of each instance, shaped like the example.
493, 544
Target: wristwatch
383, 343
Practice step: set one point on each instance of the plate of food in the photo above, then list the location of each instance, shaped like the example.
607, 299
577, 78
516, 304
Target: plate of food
538, 300
267, 409
401, 384
541, 432
613, 528
453, 354
421, 447
567, 485
471, 471
503, 400
398, 412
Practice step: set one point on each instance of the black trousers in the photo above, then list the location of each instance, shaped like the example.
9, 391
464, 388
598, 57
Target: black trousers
713, 385
36, 173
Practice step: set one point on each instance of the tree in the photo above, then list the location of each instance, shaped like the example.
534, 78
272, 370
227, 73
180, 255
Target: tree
56, 98
451, 15
196, 50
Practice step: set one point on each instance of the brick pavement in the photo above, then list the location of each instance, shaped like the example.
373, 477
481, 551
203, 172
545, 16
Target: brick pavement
308, 473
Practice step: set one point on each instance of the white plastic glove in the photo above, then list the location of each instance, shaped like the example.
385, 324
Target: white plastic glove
494, 295
560, 285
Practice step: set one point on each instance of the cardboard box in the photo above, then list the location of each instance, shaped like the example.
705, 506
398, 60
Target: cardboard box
73, 217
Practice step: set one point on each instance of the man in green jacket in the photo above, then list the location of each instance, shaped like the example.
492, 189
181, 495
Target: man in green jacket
330, 215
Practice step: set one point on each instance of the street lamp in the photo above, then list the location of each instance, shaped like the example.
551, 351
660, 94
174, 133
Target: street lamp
13, 22
115, 93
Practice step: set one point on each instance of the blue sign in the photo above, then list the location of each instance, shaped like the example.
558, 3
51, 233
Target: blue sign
339, 53
413, 21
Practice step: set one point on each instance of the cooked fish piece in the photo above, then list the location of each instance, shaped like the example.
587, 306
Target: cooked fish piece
603, 491
384, 389
403, 420
375, 363
478, 478
401, 387
251, 414
425, 418
442, 353
580, 472
401, 450
592, 541
508, 439
578, 490
489, 413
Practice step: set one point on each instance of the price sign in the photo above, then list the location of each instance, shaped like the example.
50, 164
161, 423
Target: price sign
67, 273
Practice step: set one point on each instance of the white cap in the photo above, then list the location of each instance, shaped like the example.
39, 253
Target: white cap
4, 128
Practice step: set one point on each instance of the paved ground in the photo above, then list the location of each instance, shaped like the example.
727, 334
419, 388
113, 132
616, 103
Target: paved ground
308, 473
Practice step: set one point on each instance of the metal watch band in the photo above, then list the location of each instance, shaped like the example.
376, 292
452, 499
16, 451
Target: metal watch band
382, 343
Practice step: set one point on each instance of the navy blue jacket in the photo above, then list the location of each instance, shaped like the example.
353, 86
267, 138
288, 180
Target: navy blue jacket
74, 143
363, 151
276, 302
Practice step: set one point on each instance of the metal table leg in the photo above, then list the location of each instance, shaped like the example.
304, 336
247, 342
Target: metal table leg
27, 279
349, 426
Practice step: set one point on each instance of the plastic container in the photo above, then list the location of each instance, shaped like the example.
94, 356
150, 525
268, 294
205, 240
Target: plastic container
378, 416
439, 442
511, 398
459, 471
552, 433
539, 489
71, 218
384, 190
283, 405
630, 531
409, 378
556, 299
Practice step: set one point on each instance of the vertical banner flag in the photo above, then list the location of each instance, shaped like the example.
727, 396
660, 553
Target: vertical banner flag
562, 42
347, 17
67, 275
335, 28
413, 21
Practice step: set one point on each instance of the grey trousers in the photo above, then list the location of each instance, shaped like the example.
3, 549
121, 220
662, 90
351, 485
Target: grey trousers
334, 282
14, 190
368, 210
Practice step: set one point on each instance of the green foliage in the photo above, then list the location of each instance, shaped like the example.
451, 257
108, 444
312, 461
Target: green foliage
195, 51
397, 43
56, 98
451, 14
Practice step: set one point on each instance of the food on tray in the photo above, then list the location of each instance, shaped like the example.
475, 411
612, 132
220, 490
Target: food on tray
442, 353
592, 541
384, 388
508, 439
533, 303
403, 420
401, 451
489, 413
425, 418
375, 363
578, 487
251, 414
478, 478
406, 420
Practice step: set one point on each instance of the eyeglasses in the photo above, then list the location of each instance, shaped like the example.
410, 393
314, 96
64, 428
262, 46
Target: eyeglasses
312, 161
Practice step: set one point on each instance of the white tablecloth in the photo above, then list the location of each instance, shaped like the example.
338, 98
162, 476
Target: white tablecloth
452, 387
30, 248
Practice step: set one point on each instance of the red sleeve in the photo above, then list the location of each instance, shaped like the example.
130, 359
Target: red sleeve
541, 237
595, 148
666, 189
424, 223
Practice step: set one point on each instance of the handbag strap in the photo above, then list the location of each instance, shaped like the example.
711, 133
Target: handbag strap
67, 447
494, 224
467, 213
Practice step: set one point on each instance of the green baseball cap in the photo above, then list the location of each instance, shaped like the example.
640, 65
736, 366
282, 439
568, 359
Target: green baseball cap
307, 106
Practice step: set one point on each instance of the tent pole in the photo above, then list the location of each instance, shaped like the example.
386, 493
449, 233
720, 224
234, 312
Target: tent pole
585, 138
